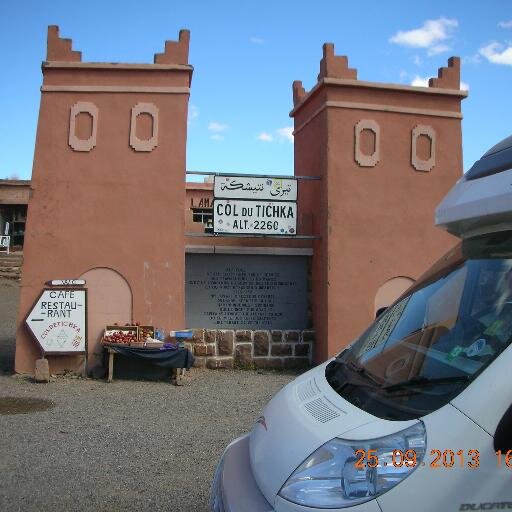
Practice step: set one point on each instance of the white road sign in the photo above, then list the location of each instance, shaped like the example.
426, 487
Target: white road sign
254, 217
58, 321
261, 188
67, 282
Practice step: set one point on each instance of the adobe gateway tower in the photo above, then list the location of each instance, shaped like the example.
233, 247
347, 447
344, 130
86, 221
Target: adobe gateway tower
108, 191
387, 155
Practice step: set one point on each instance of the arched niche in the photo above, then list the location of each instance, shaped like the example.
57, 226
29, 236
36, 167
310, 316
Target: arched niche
109, 301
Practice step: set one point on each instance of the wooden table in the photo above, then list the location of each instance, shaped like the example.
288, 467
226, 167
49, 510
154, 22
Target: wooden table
177, 374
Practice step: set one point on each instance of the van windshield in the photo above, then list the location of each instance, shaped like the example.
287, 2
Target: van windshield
436, 338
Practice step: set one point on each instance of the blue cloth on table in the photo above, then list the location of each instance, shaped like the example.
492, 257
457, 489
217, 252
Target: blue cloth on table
166, 358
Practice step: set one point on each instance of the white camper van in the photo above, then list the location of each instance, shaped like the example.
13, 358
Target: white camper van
416, 414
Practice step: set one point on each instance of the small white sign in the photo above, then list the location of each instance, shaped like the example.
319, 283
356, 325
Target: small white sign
67, 282
254, 217
58, 321
5, 241
240, 187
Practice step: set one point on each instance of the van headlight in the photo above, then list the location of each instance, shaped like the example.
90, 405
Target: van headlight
343, 473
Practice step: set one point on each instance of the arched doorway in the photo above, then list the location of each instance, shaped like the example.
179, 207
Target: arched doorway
390, 291
109, 301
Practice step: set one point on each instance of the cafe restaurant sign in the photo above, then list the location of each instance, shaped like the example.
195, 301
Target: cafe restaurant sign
58, 320
261, 188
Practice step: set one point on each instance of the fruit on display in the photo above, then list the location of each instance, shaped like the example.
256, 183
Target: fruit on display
120, 337
146, 331
130, 334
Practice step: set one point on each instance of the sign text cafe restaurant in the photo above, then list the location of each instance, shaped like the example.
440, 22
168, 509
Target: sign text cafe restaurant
268, 271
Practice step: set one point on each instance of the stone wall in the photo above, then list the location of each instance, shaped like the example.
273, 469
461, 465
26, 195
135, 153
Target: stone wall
244, 348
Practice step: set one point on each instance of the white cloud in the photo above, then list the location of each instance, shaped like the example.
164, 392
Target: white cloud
497, 54
417, 60
285, 133
429, 35
217, 136
419, 81
437, 49
472, 59
505, 24
265, 137
257, 40
217, 127
193, 113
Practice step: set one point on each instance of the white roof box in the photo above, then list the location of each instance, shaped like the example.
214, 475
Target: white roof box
481, 201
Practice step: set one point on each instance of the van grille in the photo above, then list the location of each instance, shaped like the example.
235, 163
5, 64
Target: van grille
321, 410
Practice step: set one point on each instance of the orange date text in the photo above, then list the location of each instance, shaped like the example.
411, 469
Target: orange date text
437, 459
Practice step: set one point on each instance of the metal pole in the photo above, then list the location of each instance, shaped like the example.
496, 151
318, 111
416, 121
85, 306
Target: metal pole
239, 235
199, 173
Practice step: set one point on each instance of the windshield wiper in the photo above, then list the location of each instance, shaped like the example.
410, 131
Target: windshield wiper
425, 381
360, 370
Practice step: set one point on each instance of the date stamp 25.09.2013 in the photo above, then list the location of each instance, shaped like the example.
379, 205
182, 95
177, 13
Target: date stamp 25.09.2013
437, 459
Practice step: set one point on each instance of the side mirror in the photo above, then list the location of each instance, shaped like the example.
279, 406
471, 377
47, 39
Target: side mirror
503, 434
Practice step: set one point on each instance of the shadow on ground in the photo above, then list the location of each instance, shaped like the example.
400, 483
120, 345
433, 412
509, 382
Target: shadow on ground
9, 297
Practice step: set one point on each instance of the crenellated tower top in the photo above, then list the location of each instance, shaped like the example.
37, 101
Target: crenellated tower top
335, 69
447, 77
335, 66
175, 52
59, 49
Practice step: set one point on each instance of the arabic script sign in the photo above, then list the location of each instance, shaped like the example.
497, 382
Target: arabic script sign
240, 187
254, 217
58, 321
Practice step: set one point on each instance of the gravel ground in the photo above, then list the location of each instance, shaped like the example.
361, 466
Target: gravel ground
128, 445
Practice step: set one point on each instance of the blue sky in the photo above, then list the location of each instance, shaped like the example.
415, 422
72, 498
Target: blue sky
246, 56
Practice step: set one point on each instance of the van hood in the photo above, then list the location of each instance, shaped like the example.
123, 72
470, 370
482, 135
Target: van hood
303, 416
